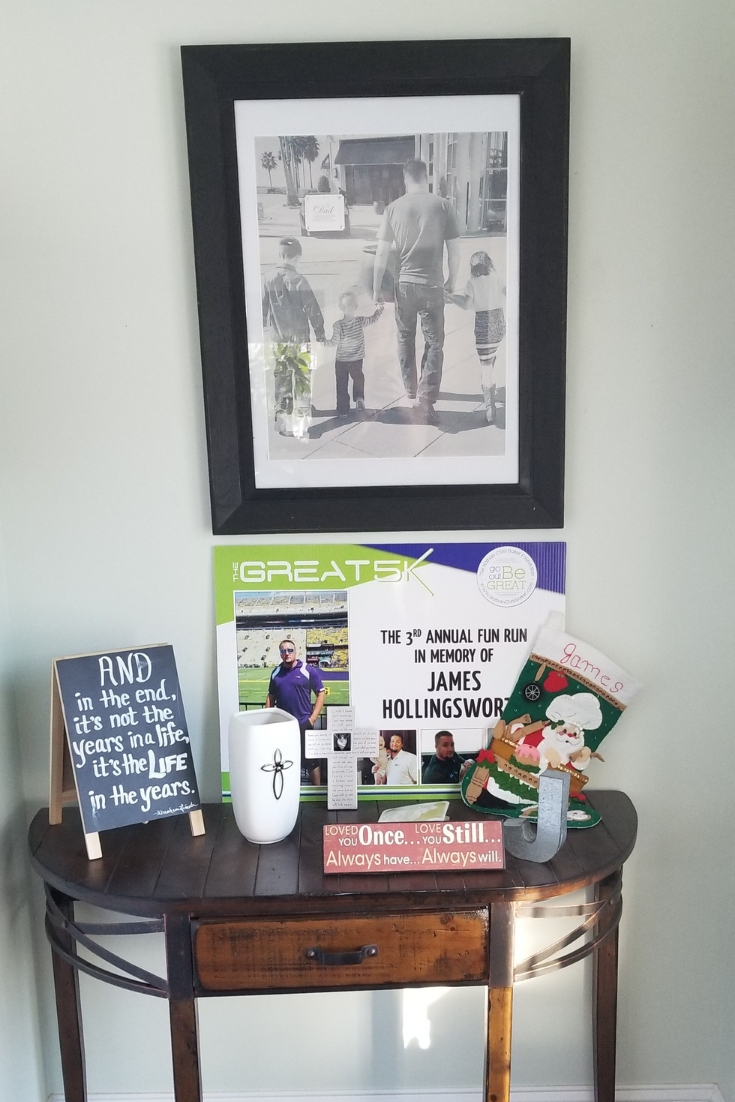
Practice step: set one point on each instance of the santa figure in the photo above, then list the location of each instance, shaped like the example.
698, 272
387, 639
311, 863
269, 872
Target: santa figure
561, 740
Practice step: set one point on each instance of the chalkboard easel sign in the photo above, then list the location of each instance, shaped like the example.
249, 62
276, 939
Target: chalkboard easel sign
119, 741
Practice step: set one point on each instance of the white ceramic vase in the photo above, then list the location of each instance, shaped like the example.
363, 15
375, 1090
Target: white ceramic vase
265, 773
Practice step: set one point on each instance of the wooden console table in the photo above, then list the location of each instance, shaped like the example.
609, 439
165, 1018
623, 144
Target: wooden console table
246, 919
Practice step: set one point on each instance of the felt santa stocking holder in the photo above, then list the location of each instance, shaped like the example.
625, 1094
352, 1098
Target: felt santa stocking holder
567, 698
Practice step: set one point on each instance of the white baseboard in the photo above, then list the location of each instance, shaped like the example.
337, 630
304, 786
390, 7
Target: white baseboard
675, 1093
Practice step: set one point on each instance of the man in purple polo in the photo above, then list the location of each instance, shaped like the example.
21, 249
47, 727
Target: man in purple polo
290, 688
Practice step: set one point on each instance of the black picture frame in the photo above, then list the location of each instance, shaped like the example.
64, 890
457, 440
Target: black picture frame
537, 71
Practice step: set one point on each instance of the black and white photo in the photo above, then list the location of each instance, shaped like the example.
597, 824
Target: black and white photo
381, 281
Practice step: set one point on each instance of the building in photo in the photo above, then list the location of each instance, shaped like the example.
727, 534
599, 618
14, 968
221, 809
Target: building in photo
472, 171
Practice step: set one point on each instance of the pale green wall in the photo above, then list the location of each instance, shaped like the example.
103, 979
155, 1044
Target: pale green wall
726, 1065
104, 486
21, 1065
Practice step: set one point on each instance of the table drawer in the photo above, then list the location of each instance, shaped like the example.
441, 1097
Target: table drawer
330, 951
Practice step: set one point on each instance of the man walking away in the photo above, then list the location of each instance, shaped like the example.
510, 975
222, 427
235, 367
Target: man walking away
420, 224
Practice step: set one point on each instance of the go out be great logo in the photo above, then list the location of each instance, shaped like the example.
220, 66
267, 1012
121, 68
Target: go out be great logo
507, 576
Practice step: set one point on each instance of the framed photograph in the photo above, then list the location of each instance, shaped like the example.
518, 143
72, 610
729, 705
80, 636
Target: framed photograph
380, 246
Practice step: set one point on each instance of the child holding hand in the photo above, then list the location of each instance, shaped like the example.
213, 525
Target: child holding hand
349, 339
485, 294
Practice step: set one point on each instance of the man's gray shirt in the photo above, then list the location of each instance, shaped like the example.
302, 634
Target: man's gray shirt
419, 223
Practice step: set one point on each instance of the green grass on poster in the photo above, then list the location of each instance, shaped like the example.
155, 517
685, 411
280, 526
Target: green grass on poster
253, 687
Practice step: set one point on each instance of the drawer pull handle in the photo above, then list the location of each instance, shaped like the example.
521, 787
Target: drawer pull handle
335, 959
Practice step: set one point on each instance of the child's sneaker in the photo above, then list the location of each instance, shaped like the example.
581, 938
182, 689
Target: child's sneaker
359, 405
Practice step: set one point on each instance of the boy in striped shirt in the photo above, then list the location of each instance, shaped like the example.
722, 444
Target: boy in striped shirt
349, 339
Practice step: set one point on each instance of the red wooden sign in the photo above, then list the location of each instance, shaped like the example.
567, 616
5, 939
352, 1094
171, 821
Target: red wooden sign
408, 847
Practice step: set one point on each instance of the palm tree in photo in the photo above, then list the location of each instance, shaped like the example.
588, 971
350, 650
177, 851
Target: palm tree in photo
269, 162
287, 160
291, 155
310, 150
297, 152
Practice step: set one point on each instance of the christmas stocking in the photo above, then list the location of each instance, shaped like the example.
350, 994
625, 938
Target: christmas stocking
567, 698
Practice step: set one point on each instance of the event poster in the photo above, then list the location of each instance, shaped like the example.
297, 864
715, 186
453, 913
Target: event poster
423, 642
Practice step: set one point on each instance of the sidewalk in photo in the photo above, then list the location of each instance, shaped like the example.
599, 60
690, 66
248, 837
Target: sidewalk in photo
380, 430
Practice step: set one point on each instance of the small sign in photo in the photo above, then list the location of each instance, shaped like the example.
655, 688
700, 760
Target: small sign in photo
119, 741
324, 212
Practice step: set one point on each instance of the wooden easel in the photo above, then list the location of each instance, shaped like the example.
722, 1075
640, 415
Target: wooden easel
63, 786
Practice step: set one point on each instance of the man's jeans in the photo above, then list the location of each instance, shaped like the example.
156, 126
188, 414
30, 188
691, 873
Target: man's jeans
416, 300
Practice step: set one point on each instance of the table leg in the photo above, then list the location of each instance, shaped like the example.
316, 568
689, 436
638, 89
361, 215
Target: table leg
500, 1003
605, 1005
500, 1011
69, 1011
182, 1010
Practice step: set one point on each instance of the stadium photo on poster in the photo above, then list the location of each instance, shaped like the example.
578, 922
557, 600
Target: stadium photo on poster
317, 623
307, 631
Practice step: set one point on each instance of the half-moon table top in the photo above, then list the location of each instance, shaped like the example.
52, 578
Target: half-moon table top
158, 868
